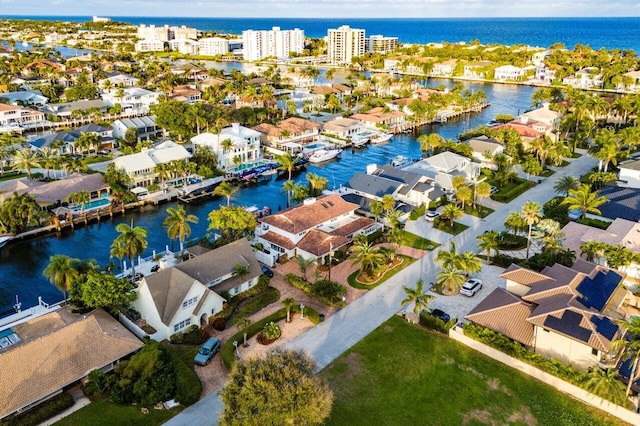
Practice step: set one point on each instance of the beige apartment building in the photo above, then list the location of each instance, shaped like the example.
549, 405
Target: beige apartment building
344, 44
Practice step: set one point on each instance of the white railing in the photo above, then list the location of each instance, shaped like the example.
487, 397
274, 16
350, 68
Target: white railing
135, 329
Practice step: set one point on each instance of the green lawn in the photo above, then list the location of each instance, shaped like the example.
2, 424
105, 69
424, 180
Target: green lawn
351, 279
481, 211
256, 303
444, 226
416, 241
403, 375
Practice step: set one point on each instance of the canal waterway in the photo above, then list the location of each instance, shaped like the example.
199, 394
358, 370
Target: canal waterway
22, 262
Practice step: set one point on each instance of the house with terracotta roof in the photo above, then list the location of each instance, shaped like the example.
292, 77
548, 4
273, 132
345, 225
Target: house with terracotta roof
11, 115
173, 299
377, 119
529, 129
55, 351
186, 93
562, 313
312, 229
290, 131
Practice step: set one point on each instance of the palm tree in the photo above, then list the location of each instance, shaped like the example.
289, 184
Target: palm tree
316, 184
515, 223
177, 224
593, 250
48, 159
452, 278
367, 257
549, 232
62, 272
470, 263
628, 345
25, 159
566, 184
417, 296
531, 212
585, 200
303, 263
81, 197
376, 209
605, 384
244, 323
451, 212
489, 242
482, 190
131, 243
288, 303
225, 189
226, 145
464, 194
240, 271
287, 162
289, 186
449, 258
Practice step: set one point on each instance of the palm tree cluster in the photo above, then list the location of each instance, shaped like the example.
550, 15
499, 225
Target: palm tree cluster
19, 212
614, 256
456, 268
585, 200
372, 260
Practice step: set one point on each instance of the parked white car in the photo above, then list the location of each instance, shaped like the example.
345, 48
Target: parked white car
471, 287
431, 216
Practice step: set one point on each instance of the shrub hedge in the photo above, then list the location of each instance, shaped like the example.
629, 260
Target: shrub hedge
327, 292
437, 324
41, 412
188, 386
601, 224
417, 213
507, 196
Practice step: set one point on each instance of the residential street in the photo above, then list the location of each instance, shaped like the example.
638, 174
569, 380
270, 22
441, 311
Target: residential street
328, 340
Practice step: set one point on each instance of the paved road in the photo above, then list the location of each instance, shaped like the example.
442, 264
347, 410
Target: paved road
328, 340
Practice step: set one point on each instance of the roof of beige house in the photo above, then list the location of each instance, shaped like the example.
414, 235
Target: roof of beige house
505, 313
320, 243
620, 232
524, 276
52, 358
168, 288
52, 192
292, 125
311, 213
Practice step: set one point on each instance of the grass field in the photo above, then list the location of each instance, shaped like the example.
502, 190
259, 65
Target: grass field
416, 241
403, 375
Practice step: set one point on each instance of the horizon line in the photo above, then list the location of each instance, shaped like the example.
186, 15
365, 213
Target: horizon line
325, 17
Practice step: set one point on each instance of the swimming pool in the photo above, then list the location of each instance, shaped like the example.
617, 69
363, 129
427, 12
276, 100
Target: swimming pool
248, 166
101, 202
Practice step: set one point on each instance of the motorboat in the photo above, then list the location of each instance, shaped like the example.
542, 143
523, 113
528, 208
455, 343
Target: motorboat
5, 238
323, 155
381, 138
399, 161
359, 140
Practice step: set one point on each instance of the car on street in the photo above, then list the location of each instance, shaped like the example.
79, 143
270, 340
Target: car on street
438, 314
431, 216
266, 271
471, 287
207, 351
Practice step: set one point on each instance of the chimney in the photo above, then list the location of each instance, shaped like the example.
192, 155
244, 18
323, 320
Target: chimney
235, 127
309, 201
524, 119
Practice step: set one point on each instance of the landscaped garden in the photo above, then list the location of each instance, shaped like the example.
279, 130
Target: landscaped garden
400, 373
445, 226
355, 280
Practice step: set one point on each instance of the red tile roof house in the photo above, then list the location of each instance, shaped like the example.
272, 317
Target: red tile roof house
312, 229
562, 313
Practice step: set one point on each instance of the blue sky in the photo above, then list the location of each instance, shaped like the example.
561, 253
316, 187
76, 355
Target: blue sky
324, 8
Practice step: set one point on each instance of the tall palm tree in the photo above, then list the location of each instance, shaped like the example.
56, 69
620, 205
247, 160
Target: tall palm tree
177, 224
316, 183
81, 197
532, 213
287, 162
565, 184
628, 345
131, 243
470, 263
25, 159
288, 303
48, 159
451, 212
226, 146
585, 200
549, 232
489, 242
303, 264
605, 384
289, 186
449, 258
417, 296
61, 271
367, 257
481, 191
515, 223
451, 278
225, 189
243, 323
593, 250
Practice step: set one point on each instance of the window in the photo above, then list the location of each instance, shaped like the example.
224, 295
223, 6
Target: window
594, 352
182, 324
189, 302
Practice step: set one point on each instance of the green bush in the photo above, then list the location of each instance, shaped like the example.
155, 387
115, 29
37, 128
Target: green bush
417, 213
193, 336
601, 224
508, 241
188, 386
325, 291
271, 331
509, 195
41, 412
437, 324
504, 260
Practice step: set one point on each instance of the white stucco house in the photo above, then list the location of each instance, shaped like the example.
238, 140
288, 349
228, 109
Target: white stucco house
245, 145
134, 99
443, 167
629, 174
140, 167
508, 72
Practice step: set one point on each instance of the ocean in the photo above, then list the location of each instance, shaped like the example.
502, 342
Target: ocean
610, 33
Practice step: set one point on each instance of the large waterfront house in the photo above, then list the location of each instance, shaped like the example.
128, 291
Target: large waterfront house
244, 148
508, 72
65, 110
133, 99
477, 70
443, 167
186, 93
586, 78
63, 142
141, 167
483, 149
46, 355
145, 126
177, 297
343, 128
312, 229
32, 98
116, 80
529, 129
290, 132
379, 119
562, 313
14, 116
545, 115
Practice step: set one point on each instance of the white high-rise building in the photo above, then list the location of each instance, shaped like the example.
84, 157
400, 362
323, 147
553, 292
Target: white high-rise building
344, 44
213, 46
151, 32
275, 42
380, 44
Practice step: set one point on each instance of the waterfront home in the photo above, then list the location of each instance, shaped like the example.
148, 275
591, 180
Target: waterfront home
293, 130
298, 79
620, 233
562, 313
378, 119
385, 86
408, 64
145, 126
13, 116
629, 174
477, 70
177, 297
63, 142
35, 67
508, 72
529, 129
545, 115
29, 83
443, 167
245, 146
115, 80
31, 98
186, 93
56, 193
133, 99
311, 229
586, 78
483, 149
539, 56
339, 90
544, 74
342, 128
444, 68
43, 357
141, 167
631, 81
65, 110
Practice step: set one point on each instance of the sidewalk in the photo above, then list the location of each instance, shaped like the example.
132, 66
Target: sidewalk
80, 402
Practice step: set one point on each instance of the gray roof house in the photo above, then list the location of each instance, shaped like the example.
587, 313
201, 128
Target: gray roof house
64, 110
443, 167
483, 149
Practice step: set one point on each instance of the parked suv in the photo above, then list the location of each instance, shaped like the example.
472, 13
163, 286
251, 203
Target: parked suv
471, 287
207, 351
431, 216
438, 314
266, 271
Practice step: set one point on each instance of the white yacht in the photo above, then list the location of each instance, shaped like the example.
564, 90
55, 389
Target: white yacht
359, 140
381, 138
399, 161
323, 155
